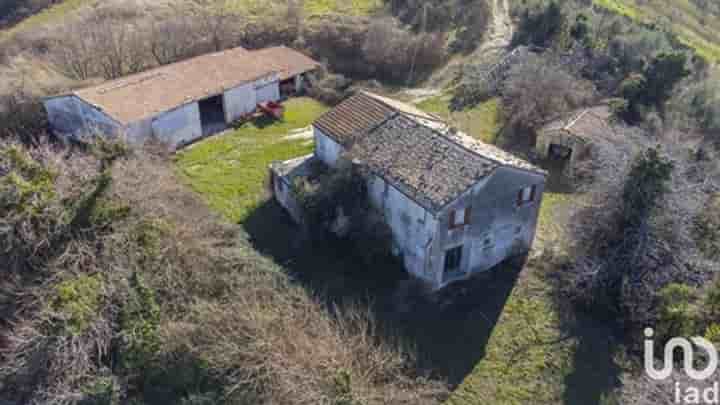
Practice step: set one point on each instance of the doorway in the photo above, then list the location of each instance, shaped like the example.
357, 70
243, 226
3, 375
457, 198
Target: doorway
212, 115
453, 261
559, 152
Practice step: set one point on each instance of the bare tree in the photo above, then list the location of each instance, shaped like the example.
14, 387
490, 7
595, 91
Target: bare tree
537, 91
173, 39
219, 26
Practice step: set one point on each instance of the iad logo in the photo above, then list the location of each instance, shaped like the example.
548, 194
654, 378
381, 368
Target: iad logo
687, 395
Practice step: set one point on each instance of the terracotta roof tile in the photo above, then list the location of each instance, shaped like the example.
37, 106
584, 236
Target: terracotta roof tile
165, 88
287, 62
416, 152
354, 116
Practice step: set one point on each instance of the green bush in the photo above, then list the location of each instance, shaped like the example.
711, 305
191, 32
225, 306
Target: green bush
645, 186
678, 312
140, 325
540, 26
101, 391
78, 301
28, 187
707, 229
712, 333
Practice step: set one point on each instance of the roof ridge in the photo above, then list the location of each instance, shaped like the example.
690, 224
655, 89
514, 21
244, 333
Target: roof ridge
576, 119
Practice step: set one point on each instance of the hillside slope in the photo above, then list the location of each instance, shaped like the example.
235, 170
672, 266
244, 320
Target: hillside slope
696, 22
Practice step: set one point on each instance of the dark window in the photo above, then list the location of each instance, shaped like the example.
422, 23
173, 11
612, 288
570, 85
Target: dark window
453, 257
526, 195
460, 217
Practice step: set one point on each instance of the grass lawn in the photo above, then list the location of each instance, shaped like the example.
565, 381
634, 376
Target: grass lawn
481, 121
229, 170
541, 351
50, 15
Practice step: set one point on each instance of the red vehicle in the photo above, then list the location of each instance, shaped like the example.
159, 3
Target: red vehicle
272, 108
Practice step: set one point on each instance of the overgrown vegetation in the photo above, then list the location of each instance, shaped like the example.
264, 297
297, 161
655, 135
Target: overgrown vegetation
164, 302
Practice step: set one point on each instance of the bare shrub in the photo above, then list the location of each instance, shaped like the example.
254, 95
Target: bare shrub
537, 91
22, 117
174, 38
98, 45
143, 294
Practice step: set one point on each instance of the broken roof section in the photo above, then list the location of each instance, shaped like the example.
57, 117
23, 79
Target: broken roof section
588, 123
165, 88
418, 153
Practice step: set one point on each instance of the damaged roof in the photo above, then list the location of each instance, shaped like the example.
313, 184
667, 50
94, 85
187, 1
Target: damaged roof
143, 95
419, 154
587, 123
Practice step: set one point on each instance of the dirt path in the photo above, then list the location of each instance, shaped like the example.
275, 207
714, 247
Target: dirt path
501, 29
500, 34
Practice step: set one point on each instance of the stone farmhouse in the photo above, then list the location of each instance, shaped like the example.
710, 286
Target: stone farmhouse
182, 102
455, 206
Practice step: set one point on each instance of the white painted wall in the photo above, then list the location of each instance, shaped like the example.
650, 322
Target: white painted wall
239, 101
68, 115
326, 149
268, 92
498, 228
411, 225
139, 132
178, 126
287, 199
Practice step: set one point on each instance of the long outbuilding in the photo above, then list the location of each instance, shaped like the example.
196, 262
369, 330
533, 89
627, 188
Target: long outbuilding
182, 102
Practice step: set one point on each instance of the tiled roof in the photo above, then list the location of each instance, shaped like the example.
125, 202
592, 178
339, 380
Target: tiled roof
353, 117
421, 162
416, 152
587, 123
165, 88
287, 62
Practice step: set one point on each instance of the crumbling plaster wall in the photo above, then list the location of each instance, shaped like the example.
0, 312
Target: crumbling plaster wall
498, 227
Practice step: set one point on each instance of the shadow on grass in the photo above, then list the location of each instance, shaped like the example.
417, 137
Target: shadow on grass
595, 374
450, 331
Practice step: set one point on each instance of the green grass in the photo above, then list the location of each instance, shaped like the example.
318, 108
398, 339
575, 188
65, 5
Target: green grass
526, 360
50, 15
693, 28
310, 7
481, 121
229, 170
541, 351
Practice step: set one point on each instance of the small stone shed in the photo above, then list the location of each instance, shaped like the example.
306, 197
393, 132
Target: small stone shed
569, 139
184, 101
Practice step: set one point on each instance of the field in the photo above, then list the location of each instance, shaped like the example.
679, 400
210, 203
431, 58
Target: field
695, 28
229, 170
50, 15
481, 121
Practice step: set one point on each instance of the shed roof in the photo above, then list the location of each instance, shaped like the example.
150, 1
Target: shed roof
165, 88
588, 123
416, 152
287, 62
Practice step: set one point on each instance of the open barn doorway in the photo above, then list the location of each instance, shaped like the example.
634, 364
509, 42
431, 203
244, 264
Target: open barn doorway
212, 115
